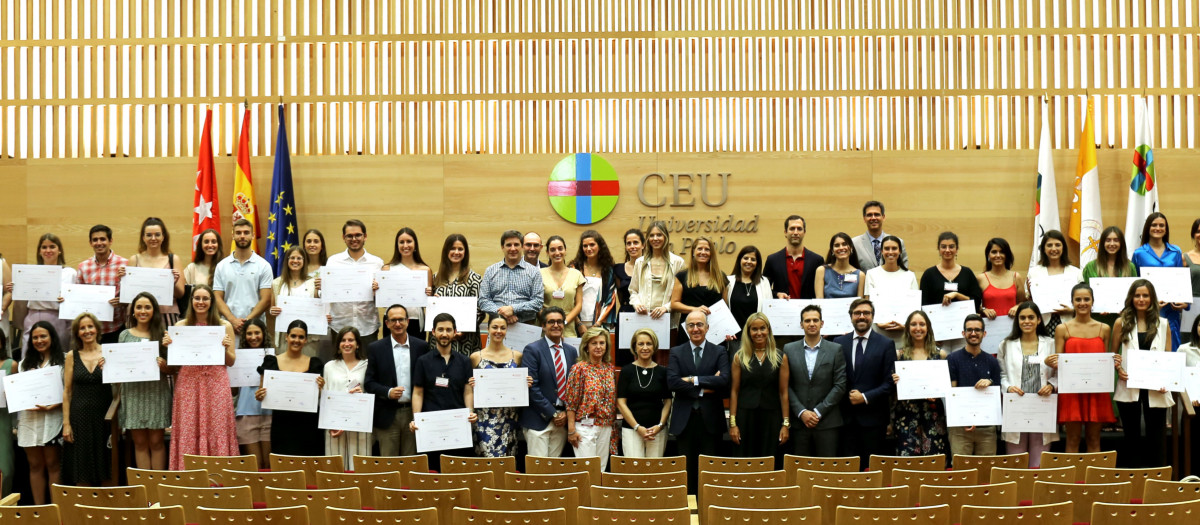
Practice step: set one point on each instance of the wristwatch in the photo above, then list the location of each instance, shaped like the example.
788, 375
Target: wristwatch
787, 423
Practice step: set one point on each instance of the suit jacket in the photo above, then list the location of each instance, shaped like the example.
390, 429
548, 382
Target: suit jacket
827, 388
713, 373
775, 270
865, 249
543, 395
381, 375
872, 377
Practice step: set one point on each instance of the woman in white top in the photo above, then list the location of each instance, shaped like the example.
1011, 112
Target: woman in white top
892, 275
39, 430
293, 282
49, 251
1023, 371
314, 251
208, 252
653, 278
154, 251
1139, 327
1054, 261
347, 372
407, 256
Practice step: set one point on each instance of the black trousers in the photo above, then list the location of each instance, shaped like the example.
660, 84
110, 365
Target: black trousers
813, 442
862, 441
696, 439
759, 428
1143, 448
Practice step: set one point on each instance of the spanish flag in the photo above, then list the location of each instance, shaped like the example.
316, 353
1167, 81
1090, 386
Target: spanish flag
244, 206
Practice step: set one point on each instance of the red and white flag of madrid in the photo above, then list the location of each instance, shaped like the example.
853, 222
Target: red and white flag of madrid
204, 203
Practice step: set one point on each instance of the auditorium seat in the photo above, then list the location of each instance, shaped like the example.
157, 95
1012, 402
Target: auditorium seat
504, 499
935, 515
172, 515
215, 464
30, 515
259, 481
408, 499
748, 498
309, 464
212, 497
657, 479
1083, 495
297, 515
985, 464
1025, 477
806, 479
1163, 491
727, 464
634, 499
770, 478
545, 465
594, 516
994, 495
1178, 513
366, 483
628, 465
1080, 460
792, 462
580, 480
830, 498
916, 478
401, 464
151, 479
1051, 514
67, 496
428, 516
316, 500
1136, 476
461, 465
725, 515
885, 464
475, 481
464, 516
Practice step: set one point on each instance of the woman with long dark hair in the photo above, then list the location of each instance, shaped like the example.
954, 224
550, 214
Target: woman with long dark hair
455, 278
86, 399
1157, 251
407, 255
919, 424
635, 242
154, 251
1083, 413
748, 289
595, 262
145, 409
294, 433
39, 430
1054, 260
1002, 288
254, 421
1140, 328
49, 251
1023, 371
841, 276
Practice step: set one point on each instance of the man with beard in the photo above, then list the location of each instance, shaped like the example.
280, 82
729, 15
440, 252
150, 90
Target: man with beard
870, 361
440, 381
971, 366
104, 268
533, 249
242, 281
361, 315
793, 270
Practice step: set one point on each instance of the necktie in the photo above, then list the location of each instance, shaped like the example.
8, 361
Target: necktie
560, 373
876, 244
699, 354
860, 351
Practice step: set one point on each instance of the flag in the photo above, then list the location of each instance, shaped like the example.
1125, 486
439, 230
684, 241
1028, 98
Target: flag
1143, 185
281, 221
206, 186
1085, 206
1045, 208
244, 205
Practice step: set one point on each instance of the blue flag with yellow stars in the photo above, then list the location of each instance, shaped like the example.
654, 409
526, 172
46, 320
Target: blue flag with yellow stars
282, 232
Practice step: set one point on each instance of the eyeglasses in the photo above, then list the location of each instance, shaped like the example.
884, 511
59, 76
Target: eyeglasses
397, 321
555, 322
973, 330
355, 236
862, 314
690, 326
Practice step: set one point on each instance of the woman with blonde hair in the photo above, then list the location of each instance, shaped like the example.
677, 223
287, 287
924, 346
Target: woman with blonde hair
758, 397
294, 282
643, 399
592, 398
652, 282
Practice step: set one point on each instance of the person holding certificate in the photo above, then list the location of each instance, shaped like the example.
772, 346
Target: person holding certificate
441, 381
892, 275
293, 282
643, 398
49, 251
1079, 413
1111, 261
1022, 371
496, 428
949, 281
870, 362
7, 454
202, 415
254, 421
1002, 288
347, 372
295, 433
408, 256
1193, 264
242, 281
85, 401
205, 256
919, 424
758, 394
362, 315
549, 361
635, 241
1140, 328
595, 262
102, 269
39, 431
748, 289
145, 410
840, 277
154, 251
652, 282
592, 399
701, 283
970, 365
1157, 251
563, 285
1054, 260
314, 252
455, 278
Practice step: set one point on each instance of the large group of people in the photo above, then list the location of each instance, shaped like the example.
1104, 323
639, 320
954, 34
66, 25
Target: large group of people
811, 394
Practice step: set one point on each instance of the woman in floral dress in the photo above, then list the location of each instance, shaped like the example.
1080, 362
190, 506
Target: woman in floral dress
496, 430
919, 424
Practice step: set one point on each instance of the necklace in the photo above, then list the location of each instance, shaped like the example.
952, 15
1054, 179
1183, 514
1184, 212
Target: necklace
645, 372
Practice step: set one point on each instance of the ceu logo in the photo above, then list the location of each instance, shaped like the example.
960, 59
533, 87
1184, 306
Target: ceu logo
583, 188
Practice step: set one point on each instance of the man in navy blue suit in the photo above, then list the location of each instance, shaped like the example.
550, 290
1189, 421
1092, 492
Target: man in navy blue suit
699, 374
390, 363
870, 361
549, 361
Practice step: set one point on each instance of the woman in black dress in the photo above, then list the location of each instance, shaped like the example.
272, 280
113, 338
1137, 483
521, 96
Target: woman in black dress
643, 399
758, 399
85, 401
949, 281
295, 433
634, 241
701, 284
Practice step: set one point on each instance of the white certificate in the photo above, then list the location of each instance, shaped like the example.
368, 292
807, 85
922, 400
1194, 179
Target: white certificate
720, 323
1172, 285
786, 312
1086, 373
244, 371
443, 430
196, 345
1188, 316
967, 406
997, 330
160, 282
574, 342
836, 314
947, 321
519, 335
36, 282
130, 362
1154, 370
403, 287
347, 284
1191, 382
784, 315
1109, 293
311, 310
33, 388
928, 379
295, 391
342, 411
90, 298
631, 322
895, 305
1030, 413
501, 387
464, 309
1053, 292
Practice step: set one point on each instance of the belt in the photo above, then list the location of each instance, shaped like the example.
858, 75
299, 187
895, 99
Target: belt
405, 405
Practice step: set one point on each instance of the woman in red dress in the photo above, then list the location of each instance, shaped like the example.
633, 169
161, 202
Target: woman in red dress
1083, 335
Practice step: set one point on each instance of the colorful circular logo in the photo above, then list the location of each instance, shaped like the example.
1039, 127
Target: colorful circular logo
583, 188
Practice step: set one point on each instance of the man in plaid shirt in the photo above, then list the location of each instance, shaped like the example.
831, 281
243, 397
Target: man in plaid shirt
102, 268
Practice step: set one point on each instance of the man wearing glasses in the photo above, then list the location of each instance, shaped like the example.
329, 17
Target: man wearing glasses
699, 375
972, 366
361, 315
549, 362
390, 363
870, 360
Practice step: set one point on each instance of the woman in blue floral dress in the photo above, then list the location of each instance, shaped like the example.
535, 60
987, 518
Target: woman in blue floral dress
496, 430
919, 424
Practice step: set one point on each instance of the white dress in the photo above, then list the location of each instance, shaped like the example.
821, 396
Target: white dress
39, 428
338, 378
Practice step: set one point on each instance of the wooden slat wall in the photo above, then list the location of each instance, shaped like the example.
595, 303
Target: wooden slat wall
100, 78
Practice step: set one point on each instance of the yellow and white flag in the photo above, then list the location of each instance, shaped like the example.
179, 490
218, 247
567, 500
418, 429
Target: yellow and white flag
1086, 221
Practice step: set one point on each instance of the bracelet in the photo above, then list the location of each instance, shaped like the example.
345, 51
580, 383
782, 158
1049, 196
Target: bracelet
635, 429
733, 421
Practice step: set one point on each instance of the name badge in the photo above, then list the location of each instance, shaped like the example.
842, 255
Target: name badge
851, 277
558, 294
1033, 359
587, 422
442, 382
951, 287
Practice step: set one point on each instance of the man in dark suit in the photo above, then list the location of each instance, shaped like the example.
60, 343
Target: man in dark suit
389, 376
792, 270
549, 361
699, 374
816, 386
870, 360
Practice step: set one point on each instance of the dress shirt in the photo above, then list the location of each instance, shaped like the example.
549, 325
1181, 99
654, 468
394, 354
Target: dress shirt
241, 282
810, 356
361, 315
517, 286
795, 269
401, 355
92, 272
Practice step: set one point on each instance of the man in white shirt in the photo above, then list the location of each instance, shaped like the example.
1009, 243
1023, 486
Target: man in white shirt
390, 363
867, 245
549, 362
361, 315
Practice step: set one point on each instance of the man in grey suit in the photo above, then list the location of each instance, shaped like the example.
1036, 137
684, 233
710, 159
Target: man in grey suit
867, 245
816, 387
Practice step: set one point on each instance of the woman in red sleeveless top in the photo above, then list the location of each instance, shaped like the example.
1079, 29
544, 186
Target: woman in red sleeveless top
1083, 335
1003, 289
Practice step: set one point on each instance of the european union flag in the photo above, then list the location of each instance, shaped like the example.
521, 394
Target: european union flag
282, 232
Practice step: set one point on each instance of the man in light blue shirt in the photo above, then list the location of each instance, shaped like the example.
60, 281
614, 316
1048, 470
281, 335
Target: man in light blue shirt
816, 386
512, 288
242, 281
